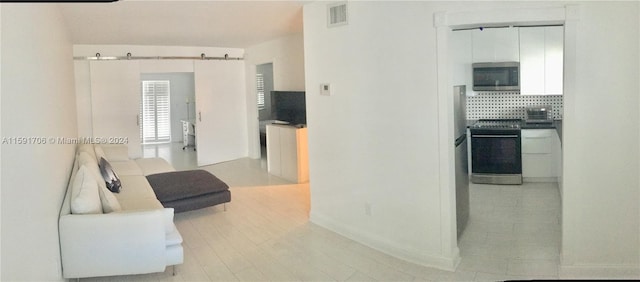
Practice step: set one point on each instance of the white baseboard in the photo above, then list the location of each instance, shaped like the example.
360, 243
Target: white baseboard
411, 255
593, 271
540, 179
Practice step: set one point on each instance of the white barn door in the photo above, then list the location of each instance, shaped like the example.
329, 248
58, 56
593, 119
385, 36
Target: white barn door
115, 102
221, 114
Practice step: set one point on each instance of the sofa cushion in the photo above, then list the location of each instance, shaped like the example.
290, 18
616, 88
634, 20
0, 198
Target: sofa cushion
87, 160
88, 148
176, 185
140, 204
174, 238
85, 198
111, 179
198, 202
128, 167
135, 187
154, 165
99, 152
189, 190
168, 220
109, 201
116, 153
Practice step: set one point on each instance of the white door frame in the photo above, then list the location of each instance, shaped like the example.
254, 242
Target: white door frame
253, 123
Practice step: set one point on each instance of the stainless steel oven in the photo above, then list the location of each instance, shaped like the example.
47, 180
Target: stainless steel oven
496, 152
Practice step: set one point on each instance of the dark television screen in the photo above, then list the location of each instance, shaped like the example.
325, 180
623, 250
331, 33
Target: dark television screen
289, 106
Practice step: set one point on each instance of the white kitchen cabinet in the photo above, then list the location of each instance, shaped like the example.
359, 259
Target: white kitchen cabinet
495, 45
287, 154
461, 58
553, 60
532, 60
541, 60
540, 149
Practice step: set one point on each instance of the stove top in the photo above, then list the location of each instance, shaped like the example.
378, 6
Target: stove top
497, 124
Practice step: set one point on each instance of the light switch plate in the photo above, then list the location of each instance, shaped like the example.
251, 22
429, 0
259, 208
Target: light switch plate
325, 89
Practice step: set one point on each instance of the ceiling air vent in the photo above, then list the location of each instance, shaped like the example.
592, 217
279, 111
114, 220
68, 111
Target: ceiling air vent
337, 14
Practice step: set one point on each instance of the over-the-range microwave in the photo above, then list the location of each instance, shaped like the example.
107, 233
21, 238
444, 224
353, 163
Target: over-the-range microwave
502, 76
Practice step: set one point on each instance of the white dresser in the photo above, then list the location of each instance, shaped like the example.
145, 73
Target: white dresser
189, 134
287, 153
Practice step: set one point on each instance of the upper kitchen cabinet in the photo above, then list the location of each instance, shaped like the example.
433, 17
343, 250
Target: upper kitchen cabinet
495, 45
553, 59
541, 60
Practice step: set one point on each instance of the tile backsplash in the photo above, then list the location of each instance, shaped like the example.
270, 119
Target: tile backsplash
501, 105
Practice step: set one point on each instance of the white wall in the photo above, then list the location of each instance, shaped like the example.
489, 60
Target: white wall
182, 87
374, 142
37, 100
287, 56
84, 113
601, 213
0, 150
89, 50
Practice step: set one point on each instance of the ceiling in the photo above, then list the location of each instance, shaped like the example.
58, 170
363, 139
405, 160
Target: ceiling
238, 24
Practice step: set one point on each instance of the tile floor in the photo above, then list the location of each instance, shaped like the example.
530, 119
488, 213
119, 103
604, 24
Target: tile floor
233, 173
513, 233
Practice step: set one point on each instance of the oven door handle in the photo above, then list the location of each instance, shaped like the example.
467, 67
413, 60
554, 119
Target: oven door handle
494, 136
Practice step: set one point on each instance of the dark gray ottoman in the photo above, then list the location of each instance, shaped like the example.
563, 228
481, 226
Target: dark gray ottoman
189, 190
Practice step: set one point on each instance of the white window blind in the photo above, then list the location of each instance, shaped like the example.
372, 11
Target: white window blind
260, 88
155, 111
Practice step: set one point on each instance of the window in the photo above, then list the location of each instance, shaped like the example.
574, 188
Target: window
260, 88
155, 109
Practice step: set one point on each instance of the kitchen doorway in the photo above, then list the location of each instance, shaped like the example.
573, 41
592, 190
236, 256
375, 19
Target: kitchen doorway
445, 23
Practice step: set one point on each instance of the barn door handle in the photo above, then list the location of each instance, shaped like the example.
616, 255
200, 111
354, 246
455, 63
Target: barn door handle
199, 116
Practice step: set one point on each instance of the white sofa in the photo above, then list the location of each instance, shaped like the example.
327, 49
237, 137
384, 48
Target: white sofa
131, 233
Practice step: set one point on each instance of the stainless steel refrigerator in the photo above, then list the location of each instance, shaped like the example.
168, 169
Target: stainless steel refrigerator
462, 171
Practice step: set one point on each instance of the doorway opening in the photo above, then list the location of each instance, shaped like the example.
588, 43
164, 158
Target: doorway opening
264, 86
530, 216
168, 101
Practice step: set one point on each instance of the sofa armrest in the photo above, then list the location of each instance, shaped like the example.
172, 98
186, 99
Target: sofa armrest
113, 244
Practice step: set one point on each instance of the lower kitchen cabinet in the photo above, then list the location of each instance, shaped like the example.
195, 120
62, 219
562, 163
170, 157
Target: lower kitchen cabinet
540, 155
